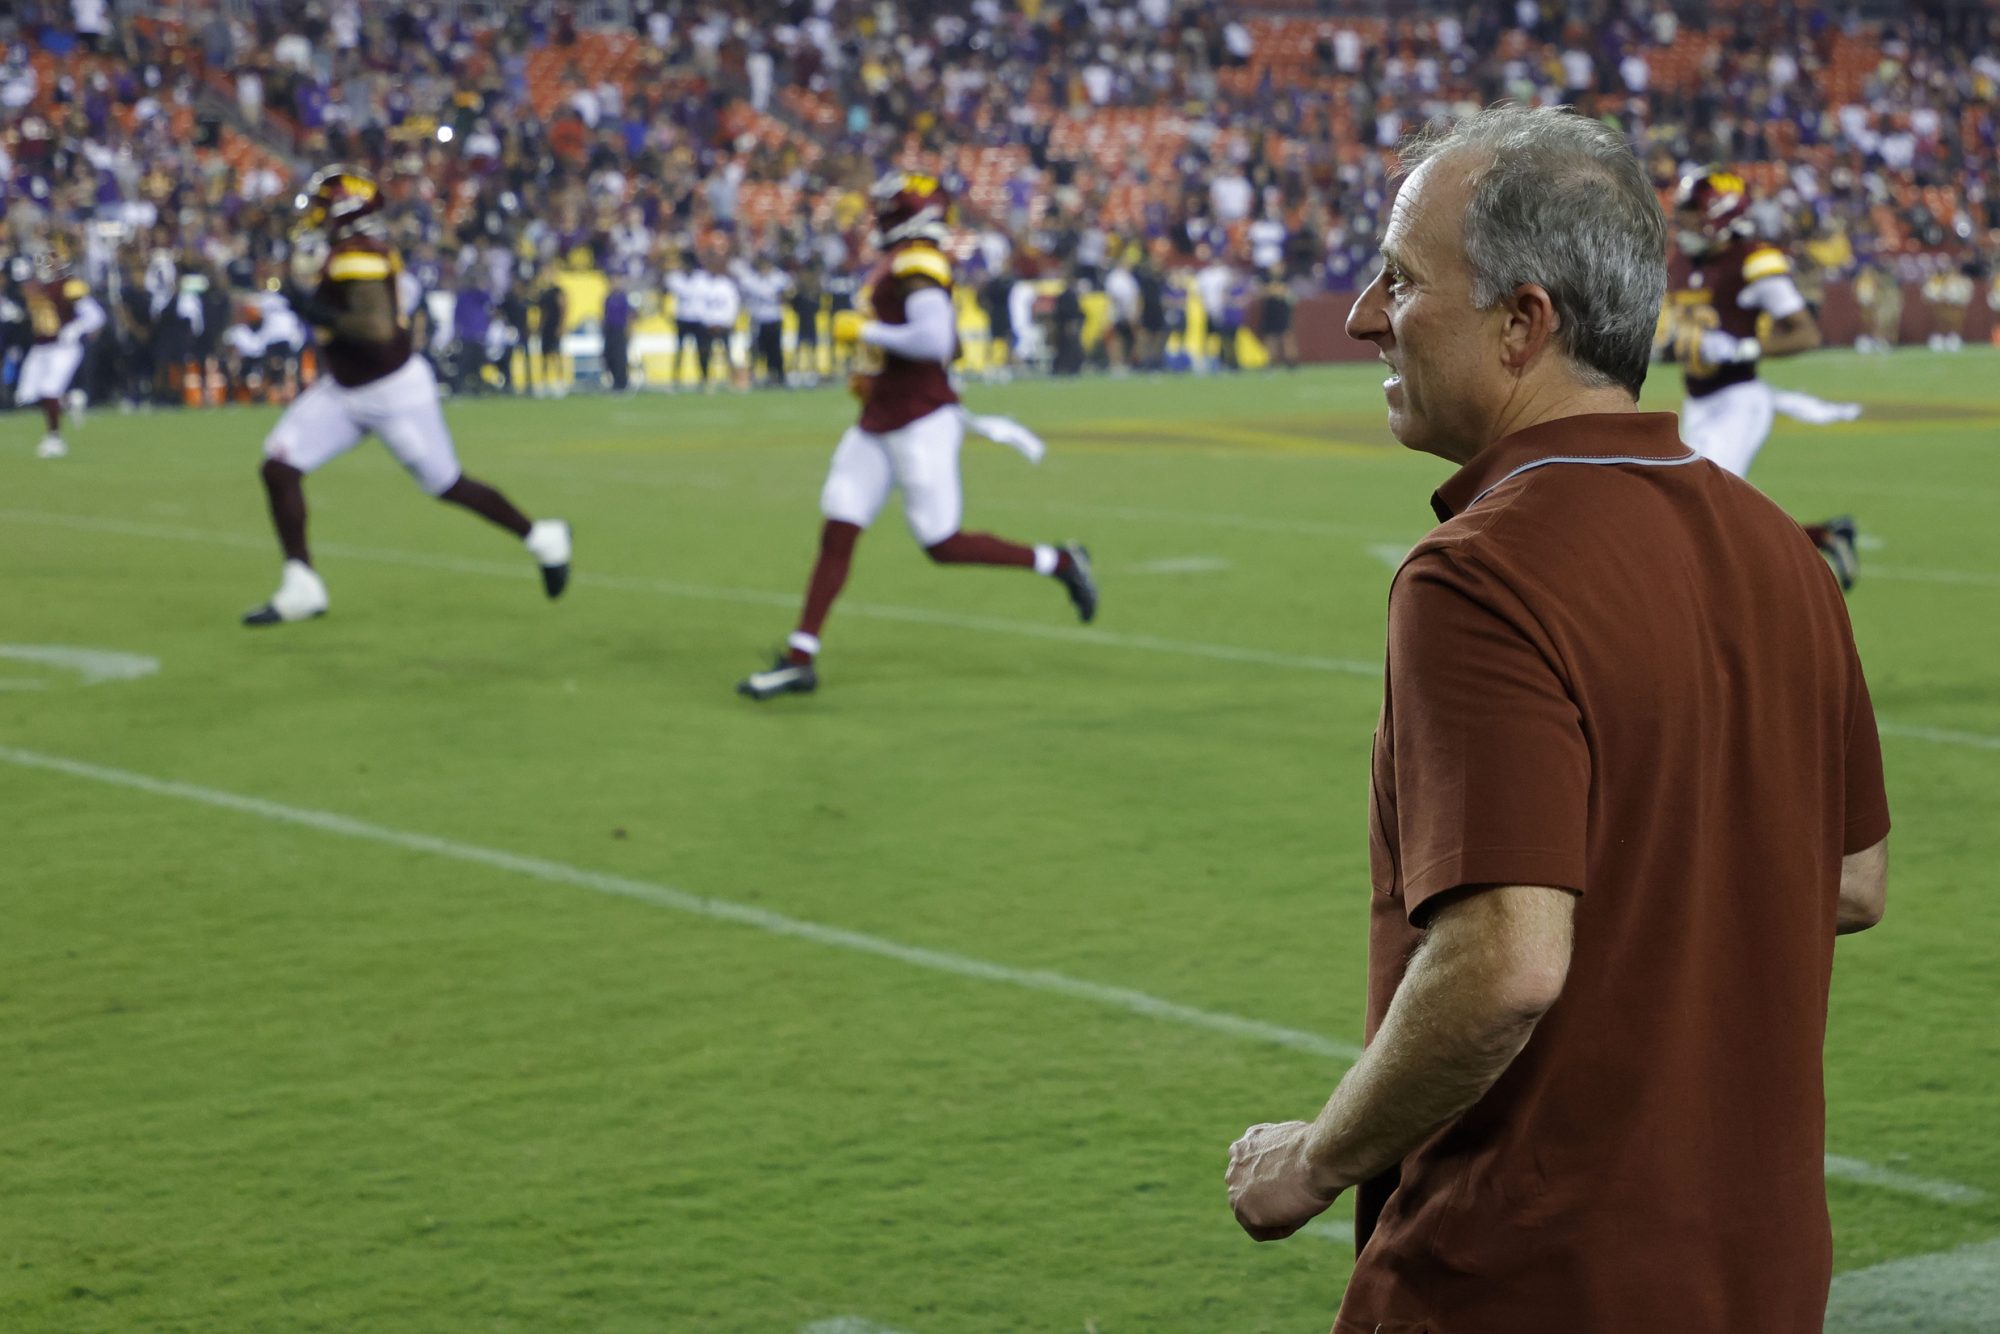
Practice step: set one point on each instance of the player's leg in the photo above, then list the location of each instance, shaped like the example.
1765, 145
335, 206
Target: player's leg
319, 425
45, 375
925, 455
404, 410
857, 486
1729, 426
704, 348
1810, 410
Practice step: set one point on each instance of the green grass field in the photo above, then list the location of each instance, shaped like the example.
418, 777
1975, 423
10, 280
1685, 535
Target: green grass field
465, 962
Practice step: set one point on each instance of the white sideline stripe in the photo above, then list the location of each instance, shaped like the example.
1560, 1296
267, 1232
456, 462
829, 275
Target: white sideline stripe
664, 896
879, 611
1943, 736
1946, 1292
1180, 565
846, 1324
1898, 574
742, 596
725, 910
1391, 554
1903, 1183
1140, 514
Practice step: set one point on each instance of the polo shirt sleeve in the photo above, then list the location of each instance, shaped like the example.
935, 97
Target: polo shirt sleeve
1867, 815
1492, 770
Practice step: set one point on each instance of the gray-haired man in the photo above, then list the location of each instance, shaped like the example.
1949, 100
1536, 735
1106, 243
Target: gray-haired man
1626, 791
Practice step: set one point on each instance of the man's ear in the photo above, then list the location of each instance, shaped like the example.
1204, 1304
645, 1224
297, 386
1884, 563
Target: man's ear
1531, 324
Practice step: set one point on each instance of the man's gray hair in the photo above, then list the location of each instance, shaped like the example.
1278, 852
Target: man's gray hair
1559, 200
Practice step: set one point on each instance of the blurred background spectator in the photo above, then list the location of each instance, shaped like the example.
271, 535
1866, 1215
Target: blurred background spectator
545, 159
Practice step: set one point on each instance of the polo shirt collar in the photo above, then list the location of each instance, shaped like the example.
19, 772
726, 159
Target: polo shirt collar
1605, 437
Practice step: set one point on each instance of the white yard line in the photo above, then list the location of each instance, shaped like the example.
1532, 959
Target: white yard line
1940, 735
1339, 1231
777, 924
1066, 634
522, 571
1960, 578
1948, 1292
665, 896
1179, 565
1903, 1183
1255, 523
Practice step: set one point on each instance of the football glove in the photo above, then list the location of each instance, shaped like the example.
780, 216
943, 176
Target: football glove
847, 326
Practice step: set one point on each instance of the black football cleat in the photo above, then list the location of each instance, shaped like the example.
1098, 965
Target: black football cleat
1839, 546
785, 678
1079, 582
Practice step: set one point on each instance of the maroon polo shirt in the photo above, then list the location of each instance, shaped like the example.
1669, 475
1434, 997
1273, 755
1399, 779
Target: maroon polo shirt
1616, 669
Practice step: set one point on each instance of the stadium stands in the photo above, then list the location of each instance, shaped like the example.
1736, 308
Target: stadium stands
1074, 132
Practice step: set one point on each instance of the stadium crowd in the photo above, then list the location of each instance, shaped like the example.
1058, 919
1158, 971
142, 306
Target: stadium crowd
1121, 165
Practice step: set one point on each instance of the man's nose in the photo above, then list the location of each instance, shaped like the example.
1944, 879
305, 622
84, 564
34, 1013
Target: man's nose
1368, 320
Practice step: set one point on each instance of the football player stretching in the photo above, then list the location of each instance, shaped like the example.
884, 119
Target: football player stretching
372, 381
909, 432
1737, 279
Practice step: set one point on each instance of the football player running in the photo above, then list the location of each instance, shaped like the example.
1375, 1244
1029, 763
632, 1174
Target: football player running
909, 432
1739, 279
372, 382
61, 315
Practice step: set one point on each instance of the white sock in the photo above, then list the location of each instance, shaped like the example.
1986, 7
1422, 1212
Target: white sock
803, 642
1046, 558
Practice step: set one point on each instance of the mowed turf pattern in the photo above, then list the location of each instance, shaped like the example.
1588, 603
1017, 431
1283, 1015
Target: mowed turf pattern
267, 1076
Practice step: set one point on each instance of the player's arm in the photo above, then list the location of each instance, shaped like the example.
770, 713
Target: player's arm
1796, 333
1769, 288
1864, 888
366, 312
929, 330
86, 317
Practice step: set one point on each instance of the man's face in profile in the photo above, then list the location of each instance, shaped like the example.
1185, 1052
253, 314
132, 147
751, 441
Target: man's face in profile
1419, 315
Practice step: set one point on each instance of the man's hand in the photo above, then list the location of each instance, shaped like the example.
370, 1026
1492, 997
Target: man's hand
1271, 1187
1726, 349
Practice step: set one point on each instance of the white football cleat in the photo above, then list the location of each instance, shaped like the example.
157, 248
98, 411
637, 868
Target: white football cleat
301, 596
548, 542
52, 447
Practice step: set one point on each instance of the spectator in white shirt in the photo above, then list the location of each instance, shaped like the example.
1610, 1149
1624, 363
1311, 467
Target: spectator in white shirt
1230, 194
721, 303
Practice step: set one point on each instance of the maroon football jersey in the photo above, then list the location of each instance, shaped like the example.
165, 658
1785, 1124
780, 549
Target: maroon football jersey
1714, 301
353, 262
904, 390
51, 305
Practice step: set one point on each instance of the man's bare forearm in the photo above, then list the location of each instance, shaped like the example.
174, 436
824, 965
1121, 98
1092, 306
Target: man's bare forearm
1464, 1011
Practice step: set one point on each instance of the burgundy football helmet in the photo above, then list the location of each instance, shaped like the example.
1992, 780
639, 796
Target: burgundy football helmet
1711, 209
909, 206
336, 199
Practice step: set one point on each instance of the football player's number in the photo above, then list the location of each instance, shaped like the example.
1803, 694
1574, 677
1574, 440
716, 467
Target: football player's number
1695, 321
